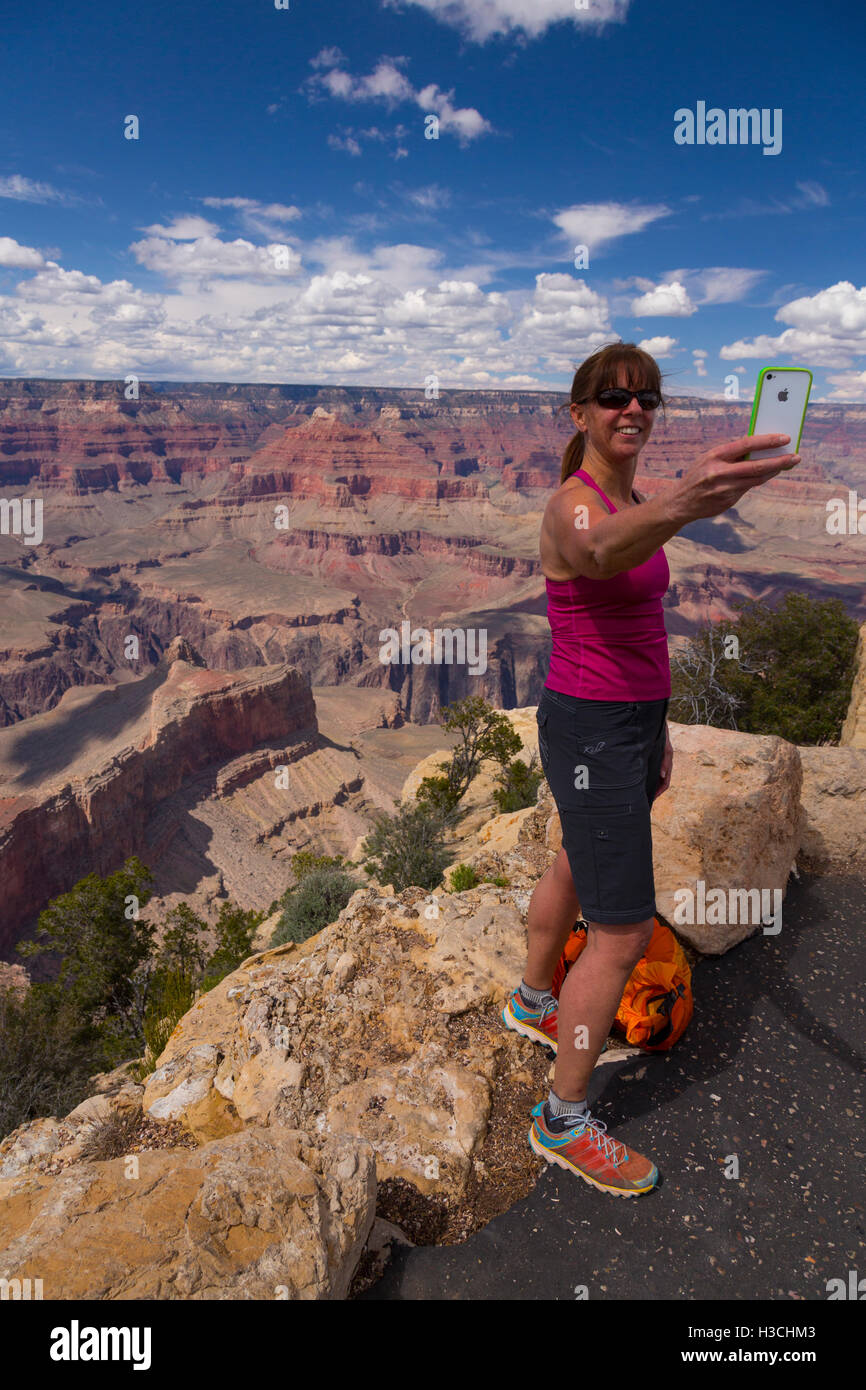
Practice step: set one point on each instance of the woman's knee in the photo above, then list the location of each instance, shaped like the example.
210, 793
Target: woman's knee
627, 941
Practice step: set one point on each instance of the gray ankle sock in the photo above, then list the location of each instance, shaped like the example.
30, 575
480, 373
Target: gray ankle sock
560, 1114
534, 998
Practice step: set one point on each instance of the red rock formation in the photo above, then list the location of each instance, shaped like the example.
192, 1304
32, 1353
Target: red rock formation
84, 436
160, 521
68, 809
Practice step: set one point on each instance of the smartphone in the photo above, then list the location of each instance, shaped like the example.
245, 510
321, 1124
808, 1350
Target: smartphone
781, 397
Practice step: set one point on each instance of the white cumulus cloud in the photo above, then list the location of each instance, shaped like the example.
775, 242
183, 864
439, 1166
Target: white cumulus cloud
841, 309
389, 84
564, 320
207, 256
13, 254
658, 347
183, 229
664, 301
483, 19
827, 328
847, 386
595, 224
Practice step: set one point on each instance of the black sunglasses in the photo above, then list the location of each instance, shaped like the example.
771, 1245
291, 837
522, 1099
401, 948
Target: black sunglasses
617, 398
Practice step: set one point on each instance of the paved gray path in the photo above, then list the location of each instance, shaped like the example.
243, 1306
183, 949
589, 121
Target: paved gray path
771, 1069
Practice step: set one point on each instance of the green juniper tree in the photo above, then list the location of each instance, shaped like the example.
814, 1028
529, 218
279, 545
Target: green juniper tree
484, 733
104, 946
408, 847
786, 671
234, 930
316, 900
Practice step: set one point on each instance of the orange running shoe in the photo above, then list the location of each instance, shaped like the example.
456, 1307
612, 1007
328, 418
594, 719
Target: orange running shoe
589, 1151
541, 1025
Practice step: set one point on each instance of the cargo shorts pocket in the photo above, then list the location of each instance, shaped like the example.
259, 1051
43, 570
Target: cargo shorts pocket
612, 862
607, 760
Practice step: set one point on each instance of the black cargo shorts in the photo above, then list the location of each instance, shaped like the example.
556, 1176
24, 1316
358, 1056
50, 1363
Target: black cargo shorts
602, 760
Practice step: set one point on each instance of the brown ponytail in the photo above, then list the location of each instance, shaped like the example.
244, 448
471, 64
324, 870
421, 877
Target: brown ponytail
595, 374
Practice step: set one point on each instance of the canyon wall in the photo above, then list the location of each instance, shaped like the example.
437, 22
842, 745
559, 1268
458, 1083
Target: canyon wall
80, 786
282, 524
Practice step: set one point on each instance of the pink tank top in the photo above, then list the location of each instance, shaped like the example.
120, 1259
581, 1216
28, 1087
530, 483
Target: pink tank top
609, 637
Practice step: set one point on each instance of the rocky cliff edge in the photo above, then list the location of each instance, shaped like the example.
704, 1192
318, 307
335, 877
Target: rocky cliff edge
332, 1092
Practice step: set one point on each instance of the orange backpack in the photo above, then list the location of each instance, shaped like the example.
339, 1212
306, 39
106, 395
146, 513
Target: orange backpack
657, 1002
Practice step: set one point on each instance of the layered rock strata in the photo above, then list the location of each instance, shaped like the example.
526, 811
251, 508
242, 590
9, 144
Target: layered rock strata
82, 785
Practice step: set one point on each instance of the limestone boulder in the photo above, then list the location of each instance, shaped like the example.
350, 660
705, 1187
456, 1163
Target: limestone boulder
834, 804
502, 832
853, 733
401, 1111
33, 1145
266, 1214
730, 825
187, 1088
478, 951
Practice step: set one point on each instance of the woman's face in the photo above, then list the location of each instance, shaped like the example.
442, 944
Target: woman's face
618, 435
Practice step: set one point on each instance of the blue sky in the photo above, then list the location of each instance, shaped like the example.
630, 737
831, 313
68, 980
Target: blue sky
283, 217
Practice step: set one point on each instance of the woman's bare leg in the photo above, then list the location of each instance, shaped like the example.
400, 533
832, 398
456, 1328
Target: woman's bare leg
553, 910
590, 998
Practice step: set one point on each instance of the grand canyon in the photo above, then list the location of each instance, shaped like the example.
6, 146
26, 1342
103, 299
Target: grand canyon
218, 563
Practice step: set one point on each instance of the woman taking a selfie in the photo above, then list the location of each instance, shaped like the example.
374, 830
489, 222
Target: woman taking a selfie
602, 733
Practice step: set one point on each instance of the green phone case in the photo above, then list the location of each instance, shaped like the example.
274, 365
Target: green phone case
756, 402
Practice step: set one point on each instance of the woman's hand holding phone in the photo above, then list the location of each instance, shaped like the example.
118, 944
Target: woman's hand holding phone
723, 474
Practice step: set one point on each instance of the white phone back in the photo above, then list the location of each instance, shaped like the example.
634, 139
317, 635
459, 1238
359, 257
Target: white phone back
784, 394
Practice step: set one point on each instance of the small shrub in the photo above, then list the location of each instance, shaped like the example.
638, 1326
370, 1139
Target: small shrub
234, 930
409, 847
112, 1137
305, 862
46, 1056
463, 877
518, 785
316, 901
